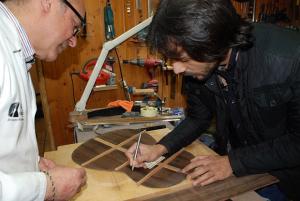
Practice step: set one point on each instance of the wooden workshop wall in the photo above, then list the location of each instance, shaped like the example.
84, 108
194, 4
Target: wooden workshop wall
63, 89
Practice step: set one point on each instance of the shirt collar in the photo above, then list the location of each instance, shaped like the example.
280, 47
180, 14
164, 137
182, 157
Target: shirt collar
27, 48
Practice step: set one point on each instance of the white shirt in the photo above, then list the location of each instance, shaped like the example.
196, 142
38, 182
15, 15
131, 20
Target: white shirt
20, 179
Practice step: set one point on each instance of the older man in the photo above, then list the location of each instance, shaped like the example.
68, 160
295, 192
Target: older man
32, 29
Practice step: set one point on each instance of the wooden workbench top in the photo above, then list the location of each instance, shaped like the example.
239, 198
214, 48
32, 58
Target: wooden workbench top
117, 186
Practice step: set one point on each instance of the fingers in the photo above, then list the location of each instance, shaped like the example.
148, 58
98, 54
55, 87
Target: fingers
145, 153
139, 161
204, 179
82, 176
191, 166
204, 170
46, 164
141, 155
196, 162
198, 172
208, 181
199, 158
129, 153
132, 149
81, 179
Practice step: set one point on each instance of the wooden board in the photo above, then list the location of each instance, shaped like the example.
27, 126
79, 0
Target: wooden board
117, 186
221, 190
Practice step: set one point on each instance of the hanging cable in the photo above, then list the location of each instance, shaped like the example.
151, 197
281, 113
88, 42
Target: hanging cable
124, 85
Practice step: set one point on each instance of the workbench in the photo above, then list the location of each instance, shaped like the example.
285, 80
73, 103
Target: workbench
117, 186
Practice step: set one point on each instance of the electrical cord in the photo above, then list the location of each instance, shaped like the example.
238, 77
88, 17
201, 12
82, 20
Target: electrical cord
121, 73
73, 89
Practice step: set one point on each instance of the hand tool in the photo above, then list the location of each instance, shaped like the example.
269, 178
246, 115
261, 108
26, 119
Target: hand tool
146, 92
137, 148
109, 21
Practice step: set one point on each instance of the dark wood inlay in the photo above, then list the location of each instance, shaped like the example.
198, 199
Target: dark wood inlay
106, 152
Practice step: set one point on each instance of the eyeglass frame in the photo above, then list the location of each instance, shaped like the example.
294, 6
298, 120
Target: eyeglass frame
82, 19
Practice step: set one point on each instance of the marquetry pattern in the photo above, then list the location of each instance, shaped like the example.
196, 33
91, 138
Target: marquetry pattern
117, 143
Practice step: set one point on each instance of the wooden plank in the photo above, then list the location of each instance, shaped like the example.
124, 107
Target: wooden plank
119, 120
220, 190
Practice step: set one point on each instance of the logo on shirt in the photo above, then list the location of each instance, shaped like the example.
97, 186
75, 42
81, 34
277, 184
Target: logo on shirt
15, 112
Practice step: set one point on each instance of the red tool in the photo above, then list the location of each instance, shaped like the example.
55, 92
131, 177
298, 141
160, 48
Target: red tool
149, 63
87, 70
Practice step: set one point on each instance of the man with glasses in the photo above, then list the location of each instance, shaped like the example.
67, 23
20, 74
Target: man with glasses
32, 29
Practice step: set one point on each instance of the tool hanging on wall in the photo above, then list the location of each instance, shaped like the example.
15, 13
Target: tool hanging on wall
150, 63
105, 74
109, 21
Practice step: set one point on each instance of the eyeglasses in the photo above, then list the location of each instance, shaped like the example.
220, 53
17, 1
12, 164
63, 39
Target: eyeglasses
77, 29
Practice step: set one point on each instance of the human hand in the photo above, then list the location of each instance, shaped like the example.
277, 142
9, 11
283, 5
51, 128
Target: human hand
67, 182
204, 170
46, 164
146, 153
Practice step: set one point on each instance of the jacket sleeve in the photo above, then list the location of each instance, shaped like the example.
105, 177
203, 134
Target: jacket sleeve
197, 120
280, 153
23, 186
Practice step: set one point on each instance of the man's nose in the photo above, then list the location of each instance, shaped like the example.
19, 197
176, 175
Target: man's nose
72, 41
178, 67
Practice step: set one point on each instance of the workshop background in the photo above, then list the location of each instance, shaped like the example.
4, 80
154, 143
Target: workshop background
59, 84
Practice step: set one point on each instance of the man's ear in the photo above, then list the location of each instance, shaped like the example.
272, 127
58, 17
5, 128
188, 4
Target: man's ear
46, 5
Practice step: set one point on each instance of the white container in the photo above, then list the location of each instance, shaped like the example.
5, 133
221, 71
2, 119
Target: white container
149, 111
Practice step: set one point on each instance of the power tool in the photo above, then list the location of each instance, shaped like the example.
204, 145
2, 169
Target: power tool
109, 21
104, 75
149, 63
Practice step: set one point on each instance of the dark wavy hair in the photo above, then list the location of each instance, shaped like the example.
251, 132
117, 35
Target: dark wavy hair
204, 29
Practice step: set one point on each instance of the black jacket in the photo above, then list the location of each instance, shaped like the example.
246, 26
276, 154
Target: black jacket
268, 91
